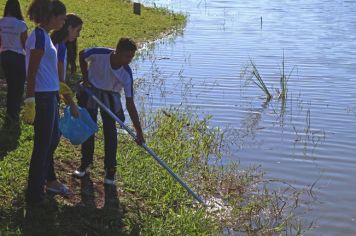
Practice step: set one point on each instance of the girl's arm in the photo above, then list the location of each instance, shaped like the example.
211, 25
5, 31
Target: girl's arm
73, 68
61, 71
29, 103
72, 56
34, 62
131, 108
83, 68
73, 107
67, 97
23, 38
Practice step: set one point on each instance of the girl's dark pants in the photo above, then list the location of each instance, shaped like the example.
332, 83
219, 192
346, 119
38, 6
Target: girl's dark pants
14, 68
45, 143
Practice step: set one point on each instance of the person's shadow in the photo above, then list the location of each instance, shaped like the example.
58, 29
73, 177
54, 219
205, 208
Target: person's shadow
33, 219
85, 218
9, 137
87, 192
10, 129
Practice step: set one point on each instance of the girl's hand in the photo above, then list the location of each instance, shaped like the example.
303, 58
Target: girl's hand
30, 94
85, 83
74, 111
65, 90
28, 112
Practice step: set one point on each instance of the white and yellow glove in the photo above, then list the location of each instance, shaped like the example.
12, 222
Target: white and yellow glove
65, 90
28, 111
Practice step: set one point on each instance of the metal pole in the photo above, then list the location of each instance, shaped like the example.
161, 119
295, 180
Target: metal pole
159, 160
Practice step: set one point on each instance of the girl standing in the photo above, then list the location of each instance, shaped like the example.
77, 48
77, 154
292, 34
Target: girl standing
65, 40
42, 89
13, 35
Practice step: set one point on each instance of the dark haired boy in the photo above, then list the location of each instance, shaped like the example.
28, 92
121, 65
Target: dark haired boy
106, 71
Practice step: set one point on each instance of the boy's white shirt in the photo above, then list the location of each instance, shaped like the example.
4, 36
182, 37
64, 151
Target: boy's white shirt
102, 76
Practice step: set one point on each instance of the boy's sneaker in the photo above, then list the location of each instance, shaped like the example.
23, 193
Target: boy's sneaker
81, 172
110, 176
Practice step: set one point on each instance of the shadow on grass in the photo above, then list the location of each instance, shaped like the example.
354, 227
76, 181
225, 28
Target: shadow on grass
9, 136
9, 131
83, 218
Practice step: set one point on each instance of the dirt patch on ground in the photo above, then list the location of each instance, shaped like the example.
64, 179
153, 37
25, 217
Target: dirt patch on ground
89, 190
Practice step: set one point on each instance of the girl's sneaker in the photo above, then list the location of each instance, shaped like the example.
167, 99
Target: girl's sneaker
59, 188
81, 172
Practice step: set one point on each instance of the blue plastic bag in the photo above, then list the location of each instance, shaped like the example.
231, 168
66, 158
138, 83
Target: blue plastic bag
77, 130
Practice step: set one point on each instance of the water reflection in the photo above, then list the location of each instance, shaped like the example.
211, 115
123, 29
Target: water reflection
310, 132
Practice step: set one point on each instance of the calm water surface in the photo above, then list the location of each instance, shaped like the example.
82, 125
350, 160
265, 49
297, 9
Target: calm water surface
313, 134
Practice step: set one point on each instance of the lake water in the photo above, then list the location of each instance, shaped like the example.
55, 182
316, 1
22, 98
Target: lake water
313, 135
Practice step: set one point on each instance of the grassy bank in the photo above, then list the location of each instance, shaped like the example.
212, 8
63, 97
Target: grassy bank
146, 201
105, 21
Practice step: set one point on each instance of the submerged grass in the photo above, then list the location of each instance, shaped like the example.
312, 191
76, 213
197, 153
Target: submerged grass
251, 73
283, 81
259, 81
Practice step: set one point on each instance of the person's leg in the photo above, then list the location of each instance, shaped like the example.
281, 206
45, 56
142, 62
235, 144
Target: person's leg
20, 84
8, 73
15, 73
51, 176
110, 146
43, 128
6, 65
87, 149
110, 140
53, 185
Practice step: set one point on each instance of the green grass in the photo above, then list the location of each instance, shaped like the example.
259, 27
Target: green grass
147, 200
105, 21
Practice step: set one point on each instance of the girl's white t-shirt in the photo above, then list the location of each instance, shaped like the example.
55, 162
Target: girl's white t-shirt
10, 32
47, 73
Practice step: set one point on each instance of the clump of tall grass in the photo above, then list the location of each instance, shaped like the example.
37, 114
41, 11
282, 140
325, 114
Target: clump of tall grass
259, 81
284, 81
251, 73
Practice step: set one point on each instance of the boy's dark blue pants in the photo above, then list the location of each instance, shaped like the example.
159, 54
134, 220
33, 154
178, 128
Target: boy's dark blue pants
45, 143
14, 68
110, 136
